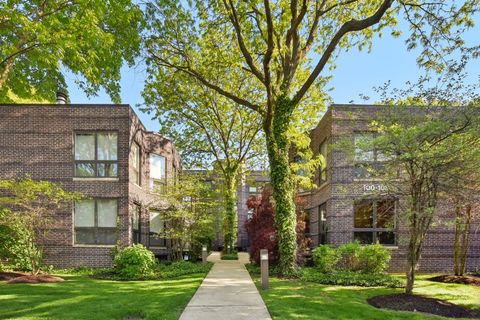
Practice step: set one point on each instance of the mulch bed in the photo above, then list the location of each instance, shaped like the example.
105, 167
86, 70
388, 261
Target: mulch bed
465, 279
416, 303
19, 277
6, 276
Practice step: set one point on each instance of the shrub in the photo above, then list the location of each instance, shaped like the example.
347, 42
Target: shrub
229, 256
134, 262
325, 258
373, 258
349, 278
349, 256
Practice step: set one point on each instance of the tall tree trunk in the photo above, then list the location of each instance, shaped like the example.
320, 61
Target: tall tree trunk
462, 237
412, 261
283, 186
230, 219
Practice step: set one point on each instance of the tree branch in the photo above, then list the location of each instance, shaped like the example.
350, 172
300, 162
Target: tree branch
349, 26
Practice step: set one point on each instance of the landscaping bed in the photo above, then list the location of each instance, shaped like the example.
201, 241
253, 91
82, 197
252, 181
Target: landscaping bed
418, 303
20, 277
465, 279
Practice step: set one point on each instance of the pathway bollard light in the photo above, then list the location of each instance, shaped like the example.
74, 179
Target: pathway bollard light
204, 254
264, 268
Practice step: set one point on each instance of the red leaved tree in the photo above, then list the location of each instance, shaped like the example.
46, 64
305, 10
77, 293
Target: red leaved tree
261, 228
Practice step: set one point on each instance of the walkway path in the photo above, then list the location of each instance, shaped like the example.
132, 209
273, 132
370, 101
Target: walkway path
227, 293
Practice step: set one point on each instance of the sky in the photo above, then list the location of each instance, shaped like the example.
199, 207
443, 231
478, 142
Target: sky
356, 73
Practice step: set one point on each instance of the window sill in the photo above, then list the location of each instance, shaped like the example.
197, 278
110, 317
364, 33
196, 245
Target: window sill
93, 245
161, 248
95, 179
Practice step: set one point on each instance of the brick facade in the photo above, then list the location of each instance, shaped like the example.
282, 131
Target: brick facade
342, 188
38, 140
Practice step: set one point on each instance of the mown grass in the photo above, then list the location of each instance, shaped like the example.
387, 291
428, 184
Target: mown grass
296, 299
81, 297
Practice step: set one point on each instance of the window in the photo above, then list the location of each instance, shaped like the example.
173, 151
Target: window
136, 216
368, 161
96, 154
136, 163
252, 189
374, 221
322, 170
322, 223
301, 171
157, 172
96, 221
157, 227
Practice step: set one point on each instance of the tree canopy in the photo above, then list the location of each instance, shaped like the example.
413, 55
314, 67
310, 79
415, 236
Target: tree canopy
40, 40
285, 48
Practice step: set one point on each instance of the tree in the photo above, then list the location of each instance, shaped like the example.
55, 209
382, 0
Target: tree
286, 48
208, 128
261, 227
423, 148
27, 211
189, 215
40, 39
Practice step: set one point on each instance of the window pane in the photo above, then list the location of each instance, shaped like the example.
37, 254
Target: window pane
85, 170
85, 236
387, 238
363, 237
106, 236
136, 156
107, 146
107, 213
385, 214
85, 213
84, 146
157, 167
136, 218
156, 224
364, 214
107, 169
363, 147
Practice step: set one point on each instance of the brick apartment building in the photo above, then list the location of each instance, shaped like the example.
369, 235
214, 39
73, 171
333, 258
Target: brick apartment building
103, 152
348, 204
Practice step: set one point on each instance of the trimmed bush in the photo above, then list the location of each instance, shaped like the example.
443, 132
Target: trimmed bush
373, 258
349, 278
325, 258
349, 256
229, 256
135, 262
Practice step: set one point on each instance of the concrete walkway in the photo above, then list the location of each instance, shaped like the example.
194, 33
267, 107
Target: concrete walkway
227, 293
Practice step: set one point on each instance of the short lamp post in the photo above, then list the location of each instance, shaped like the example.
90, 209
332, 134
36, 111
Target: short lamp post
204, 254
264, 268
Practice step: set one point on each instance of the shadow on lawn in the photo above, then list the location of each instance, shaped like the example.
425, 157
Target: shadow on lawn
291, 299
80, 297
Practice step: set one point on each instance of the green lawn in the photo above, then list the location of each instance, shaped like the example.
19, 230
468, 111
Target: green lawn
293, 299
81, 297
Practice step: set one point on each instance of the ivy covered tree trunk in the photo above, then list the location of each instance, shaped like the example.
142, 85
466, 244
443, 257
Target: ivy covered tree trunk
283, 187
230, 218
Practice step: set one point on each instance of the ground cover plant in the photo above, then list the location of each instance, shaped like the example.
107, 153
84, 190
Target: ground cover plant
229, 256
297, 299
80, 297
161, 271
